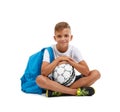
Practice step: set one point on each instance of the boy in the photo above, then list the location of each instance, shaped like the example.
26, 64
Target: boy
65, 53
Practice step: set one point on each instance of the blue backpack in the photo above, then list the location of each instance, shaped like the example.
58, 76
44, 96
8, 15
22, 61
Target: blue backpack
33, 69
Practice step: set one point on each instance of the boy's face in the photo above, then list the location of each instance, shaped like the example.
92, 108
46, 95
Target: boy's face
63, 37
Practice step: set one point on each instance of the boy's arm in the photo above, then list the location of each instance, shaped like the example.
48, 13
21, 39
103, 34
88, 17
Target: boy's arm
47, 67
81, 67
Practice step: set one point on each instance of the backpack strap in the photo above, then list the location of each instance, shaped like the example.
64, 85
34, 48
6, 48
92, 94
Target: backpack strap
50, 50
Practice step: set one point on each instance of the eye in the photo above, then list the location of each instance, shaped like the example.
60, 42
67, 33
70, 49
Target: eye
59, 36
66, 35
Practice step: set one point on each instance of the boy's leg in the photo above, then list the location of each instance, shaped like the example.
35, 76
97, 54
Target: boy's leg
86, 81
59, 89
46, 83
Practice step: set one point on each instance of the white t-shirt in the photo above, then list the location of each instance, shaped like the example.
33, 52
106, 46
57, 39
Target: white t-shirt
72, 52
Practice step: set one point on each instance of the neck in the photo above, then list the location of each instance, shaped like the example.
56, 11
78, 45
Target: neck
61, 49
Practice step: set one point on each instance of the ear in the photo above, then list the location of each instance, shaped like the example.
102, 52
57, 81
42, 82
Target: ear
71, 37
54, 38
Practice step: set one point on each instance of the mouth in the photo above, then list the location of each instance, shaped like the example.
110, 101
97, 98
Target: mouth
64, 42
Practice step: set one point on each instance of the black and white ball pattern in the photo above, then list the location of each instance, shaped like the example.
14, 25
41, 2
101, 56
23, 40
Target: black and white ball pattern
64, 74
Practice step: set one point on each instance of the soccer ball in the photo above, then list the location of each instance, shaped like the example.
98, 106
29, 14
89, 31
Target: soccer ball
64, 74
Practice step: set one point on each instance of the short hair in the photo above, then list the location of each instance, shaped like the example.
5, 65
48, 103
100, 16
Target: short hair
61, 25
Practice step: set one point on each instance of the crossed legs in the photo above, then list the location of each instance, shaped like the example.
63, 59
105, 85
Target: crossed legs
46, 83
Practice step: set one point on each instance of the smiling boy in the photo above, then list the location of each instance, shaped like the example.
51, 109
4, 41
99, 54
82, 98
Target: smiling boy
65, 53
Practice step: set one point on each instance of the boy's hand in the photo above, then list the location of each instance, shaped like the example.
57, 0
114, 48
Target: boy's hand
66, 58
63, 58
63, 62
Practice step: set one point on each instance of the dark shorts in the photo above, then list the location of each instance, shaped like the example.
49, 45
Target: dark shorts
78, 77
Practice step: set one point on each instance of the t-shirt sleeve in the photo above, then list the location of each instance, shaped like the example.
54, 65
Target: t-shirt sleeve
77, 55
46, 56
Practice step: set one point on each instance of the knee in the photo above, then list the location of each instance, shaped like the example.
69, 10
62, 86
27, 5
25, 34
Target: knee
96, 74
40, 80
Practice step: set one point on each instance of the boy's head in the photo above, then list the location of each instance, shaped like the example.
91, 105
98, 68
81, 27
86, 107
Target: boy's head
62, 35
60, 26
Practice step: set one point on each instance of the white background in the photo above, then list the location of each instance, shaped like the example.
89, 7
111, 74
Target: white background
26, 26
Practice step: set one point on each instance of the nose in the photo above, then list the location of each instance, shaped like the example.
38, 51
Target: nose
63, 38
